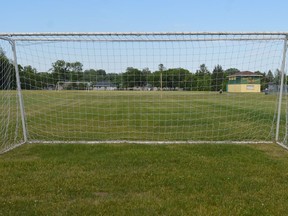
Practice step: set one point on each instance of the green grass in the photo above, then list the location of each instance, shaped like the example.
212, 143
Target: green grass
143, 115
144, 180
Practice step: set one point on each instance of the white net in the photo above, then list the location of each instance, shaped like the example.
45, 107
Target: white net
10, 124
149, 87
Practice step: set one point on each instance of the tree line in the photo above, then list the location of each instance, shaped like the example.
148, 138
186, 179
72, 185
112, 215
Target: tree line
167, 78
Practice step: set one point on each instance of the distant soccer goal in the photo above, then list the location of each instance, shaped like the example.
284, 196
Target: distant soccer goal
73, 86
143, 88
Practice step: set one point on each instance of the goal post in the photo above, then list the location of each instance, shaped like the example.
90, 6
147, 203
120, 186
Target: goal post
12, 117
281, 92
143, 88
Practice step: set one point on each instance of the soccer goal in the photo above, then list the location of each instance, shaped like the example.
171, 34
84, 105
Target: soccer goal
73, 86
143, 88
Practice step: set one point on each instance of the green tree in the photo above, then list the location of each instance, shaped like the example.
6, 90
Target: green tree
263, 79
203, 78
60, 71
28, 78
7, 72
94, 76
231, 71
154, 79
133, 77
114, 78
185, 78
277, 77
270, 76
218, 78
176, 78
66, 71
161, 67
45, 80
76, 71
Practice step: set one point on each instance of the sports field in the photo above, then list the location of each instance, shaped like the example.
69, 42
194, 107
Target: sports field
149, 116
144, 180
128, 179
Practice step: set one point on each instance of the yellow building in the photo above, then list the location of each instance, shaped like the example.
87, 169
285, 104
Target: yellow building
244, 81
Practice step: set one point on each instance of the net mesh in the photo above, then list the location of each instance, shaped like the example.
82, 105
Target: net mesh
145, 87
10, 123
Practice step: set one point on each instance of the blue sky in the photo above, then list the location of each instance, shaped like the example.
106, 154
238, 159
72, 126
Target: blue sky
143, 15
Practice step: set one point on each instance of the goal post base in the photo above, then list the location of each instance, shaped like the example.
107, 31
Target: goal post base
148, 142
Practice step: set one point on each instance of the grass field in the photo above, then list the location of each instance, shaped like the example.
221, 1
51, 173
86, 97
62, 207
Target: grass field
140, 116
144, 180
143, 115
122, 179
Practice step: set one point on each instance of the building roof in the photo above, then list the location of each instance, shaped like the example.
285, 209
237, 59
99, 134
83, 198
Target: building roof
245, 73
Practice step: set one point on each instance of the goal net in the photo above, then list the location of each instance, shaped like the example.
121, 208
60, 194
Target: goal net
11, 133
143, 88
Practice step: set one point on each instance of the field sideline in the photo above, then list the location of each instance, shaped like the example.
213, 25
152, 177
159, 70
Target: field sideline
144, 180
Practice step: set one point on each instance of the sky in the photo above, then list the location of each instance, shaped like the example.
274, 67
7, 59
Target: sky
143, 16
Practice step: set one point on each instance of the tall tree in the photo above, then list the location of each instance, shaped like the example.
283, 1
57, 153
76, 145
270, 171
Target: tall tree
176, 78
29, 78
270, 76
263, 79
277, 77
94, 76
60, 71
133, 77
7, 72
161, 67
114, 78
66, 71
218, 78
203, 78
231, 71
